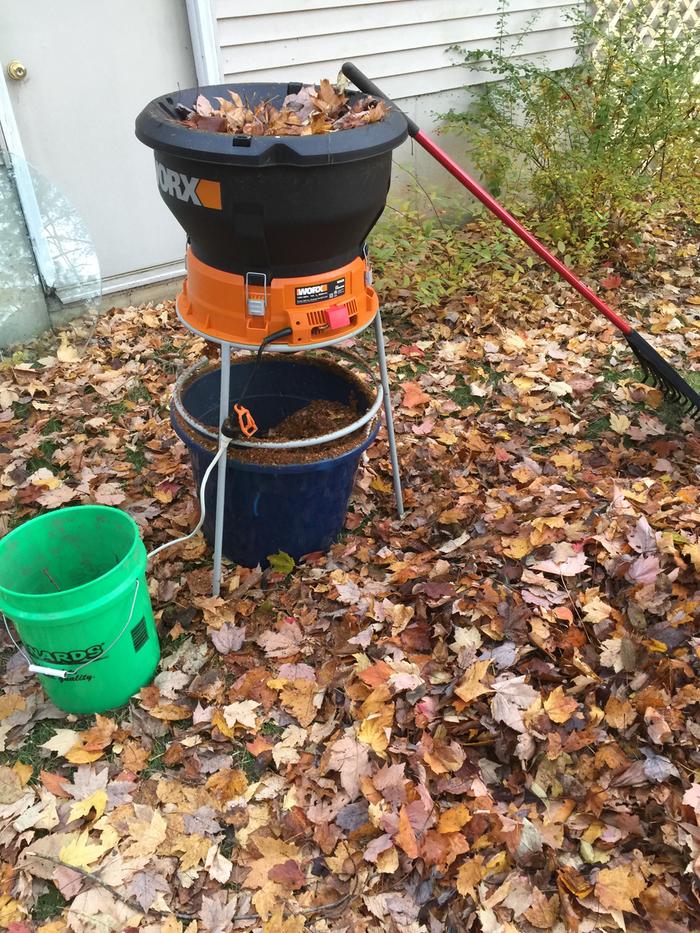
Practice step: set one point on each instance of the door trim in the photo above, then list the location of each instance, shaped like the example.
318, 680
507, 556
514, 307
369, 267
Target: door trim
15, 158
205, 41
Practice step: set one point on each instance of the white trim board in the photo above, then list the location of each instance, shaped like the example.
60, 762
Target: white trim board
205, 41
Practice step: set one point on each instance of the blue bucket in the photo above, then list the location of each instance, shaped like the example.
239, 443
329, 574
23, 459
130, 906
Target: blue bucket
295, 507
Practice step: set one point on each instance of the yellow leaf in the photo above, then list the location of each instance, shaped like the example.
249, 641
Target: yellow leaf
616, 888
81, 852
96, 801
559, 707
470, 875
619, 423
380, 485
170, 712
10, 703
297, 697
277, 923
272, 852
517, 548
388, 861
217, 719
148, 835
470, 686
23, 772
55, 926
619, 713
11, 911
566, 461
194, 850
374, 733
452, 820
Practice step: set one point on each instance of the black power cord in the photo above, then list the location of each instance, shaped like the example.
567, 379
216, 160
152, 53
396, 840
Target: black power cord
228, 426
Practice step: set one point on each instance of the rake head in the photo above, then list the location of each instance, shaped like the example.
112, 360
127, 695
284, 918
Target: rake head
664, 376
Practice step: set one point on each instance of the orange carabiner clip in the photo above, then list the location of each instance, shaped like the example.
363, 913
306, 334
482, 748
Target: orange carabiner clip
245, 421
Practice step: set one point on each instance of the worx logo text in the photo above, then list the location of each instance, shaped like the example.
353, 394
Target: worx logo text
199, 191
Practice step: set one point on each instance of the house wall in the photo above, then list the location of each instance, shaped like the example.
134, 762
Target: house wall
404, 45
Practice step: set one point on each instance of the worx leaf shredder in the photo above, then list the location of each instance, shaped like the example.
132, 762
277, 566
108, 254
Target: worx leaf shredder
276, 258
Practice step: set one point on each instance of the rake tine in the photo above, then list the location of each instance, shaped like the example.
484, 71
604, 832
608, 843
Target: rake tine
663, 375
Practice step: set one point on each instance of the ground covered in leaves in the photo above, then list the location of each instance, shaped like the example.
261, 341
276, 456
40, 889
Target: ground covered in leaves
483, 717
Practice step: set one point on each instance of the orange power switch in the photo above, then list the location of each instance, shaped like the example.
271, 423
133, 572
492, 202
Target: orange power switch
337, 317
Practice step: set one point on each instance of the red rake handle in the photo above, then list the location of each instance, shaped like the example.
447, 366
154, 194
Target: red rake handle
507, 218
368, 87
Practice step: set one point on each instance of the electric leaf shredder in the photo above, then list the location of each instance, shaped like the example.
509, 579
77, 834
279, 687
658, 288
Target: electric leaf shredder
276, 230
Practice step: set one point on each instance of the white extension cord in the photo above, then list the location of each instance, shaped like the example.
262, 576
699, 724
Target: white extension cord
223, 447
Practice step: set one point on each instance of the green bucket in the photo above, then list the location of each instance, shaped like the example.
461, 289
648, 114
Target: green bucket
73, 582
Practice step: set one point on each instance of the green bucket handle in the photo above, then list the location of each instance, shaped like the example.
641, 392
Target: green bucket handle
58, 672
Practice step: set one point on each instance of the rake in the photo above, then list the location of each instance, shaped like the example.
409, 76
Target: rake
654, 366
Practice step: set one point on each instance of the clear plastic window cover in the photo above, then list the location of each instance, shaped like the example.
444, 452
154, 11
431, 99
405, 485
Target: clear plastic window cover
43, 240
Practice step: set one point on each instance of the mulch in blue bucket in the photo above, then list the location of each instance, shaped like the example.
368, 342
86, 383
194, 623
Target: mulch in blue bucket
291, 501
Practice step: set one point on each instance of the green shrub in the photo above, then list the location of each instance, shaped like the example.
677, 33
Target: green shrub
430, 259
588, 152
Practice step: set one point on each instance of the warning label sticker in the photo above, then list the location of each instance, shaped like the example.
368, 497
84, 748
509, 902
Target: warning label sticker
325, 291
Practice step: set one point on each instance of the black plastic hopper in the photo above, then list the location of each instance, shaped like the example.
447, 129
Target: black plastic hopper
289, 205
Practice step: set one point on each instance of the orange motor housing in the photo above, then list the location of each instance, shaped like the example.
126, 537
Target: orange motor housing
245, 309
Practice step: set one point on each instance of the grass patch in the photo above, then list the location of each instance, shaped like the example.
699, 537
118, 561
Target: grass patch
137, 457
22, 410
117, 409
139, 393
596, 428
52, 426
270, 727
30, 752
155, 762
44, 458
246, 762
49, 905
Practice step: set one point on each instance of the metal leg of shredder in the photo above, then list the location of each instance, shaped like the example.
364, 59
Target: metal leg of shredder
221, 474
398, 492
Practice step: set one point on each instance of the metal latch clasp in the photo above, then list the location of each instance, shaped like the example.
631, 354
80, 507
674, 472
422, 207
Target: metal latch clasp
256, 305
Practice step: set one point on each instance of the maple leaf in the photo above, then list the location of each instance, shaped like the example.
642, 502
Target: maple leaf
97, 801
470, 875
616, 888
272, 852
144, 888
80, 851
413, 395
228, 638
148, 831
283, 643
611, 281
301, 698
512, 696
351, 758
559, 707
241, 713
470, 686
281, 563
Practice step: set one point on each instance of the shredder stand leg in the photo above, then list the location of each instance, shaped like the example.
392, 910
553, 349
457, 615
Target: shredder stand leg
221, 471
396, 474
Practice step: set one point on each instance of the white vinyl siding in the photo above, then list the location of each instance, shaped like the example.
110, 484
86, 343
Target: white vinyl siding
404, 44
